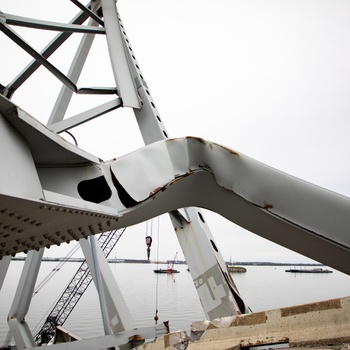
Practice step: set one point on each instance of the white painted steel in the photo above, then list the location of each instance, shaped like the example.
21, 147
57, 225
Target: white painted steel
119, 316
99, 286
65, 95
275, 205
86, 116
116, 47
46, 52
47, 25
216, 290
284, 209
40, 204
4, 265
20, 305
7, 30
19, 177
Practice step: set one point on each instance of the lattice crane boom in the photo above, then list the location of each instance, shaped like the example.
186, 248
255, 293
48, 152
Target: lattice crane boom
74, 290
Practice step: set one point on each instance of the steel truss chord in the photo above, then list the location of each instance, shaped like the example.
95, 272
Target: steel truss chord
41, 58
26, 73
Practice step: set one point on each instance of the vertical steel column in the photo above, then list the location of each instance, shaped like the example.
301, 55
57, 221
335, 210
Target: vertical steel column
99, 287
25, 183
21, 302
215, 287
118, 312
4, 265
117, 53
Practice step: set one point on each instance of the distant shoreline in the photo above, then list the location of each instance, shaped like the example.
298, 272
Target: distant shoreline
142, 261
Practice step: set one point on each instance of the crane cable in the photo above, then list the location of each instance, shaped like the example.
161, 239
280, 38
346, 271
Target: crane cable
157, 281
55, 269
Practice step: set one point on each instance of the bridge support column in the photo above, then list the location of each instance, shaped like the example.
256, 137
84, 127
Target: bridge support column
119, 315
215, 287
21, 302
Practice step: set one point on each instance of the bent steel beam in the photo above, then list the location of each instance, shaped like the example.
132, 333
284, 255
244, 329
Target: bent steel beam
286, 210
175, 173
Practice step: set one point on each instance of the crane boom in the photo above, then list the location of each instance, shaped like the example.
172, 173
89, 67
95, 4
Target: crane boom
75, 290
170, 267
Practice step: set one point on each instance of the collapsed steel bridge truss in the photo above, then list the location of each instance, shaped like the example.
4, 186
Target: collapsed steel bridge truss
68, 194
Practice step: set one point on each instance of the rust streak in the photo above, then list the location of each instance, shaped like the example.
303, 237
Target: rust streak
159, 189
313, 307
267, 206
312, 343
263, 341
179, 178
232, 152
249, 319
229, 150
163, 188
199, 139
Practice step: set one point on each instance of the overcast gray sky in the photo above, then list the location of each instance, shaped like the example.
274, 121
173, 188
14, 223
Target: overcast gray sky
270, 79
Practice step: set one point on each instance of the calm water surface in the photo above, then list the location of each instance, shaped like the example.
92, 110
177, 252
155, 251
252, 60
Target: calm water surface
262, 288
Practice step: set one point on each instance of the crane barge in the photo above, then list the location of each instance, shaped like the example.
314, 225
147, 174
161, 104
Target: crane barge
170, 269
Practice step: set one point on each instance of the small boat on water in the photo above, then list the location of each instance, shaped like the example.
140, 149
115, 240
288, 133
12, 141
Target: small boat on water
166, 271
233, 268
314, 270
170, 269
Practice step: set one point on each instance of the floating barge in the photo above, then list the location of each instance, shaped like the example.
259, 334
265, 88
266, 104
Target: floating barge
169, 271
315, 270
233, 268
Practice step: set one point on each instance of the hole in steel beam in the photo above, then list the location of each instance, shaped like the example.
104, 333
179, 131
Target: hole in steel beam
214, 245
94, 190
201, 217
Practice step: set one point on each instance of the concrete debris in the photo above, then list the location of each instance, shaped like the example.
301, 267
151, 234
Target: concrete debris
320, 325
